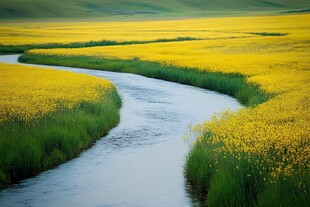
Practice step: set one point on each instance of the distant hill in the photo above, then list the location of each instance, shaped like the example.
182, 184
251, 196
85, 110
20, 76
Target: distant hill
16, 9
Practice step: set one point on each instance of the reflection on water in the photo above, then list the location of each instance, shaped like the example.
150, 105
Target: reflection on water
197, 198
140, 162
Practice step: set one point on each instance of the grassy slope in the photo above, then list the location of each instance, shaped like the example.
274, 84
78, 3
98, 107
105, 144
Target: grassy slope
29, 148
142, 8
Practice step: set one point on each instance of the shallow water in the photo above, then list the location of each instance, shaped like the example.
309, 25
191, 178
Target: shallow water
140, 162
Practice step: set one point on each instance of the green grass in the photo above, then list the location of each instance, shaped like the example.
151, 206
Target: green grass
142, 9
218, 182
264, 34
29, 148
230, 84
16, 49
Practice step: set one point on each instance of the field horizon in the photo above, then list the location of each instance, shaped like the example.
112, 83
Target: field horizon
123, 10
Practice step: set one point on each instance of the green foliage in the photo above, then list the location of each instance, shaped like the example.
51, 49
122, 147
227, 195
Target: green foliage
287, 191
29, 148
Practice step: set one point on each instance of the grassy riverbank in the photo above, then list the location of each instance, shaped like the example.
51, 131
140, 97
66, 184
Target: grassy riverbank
233, 84
50, 125
220, 179
27, 149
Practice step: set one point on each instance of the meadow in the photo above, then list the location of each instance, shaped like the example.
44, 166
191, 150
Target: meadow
258, 156
17, 37
49, 116
112, 10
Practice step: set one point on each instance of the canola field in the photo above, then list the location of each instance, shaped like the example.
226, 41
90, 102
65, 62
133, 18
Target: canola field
212, 28
28, 93
49, 116
267, 144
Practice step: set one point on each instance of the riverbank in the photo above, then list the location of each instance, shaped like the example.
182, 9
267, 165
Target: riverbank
54, 127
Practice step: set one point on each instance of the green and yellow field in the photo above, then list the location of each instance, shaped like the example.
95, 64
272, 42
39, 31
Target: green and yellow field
254, 50
17, 37
256, 156
49, 116
142, 9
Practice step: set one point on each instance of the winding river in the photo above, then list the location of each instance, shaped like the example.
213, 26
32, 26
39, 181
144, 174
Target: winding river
140, 162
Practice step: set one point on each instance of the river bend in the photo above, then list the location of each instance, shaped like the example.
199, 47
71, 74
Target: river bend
140, 162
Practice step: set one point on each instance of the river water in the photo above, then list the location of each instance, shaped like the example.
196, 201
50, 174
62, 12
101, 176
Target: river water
140, 162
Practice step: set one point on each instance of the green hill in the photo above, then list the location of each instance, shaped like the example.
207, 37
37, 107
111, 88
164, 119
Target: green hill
16, 9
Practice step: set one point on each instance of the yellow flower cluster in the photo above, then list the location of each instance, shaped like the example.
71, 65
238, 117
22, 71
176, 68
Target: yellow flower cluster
277, 130
28, 93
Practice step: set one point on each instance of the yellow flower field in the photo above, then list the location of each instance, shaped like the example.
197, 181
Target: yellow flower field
208, 28
28, 93
277, 130
48, 116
